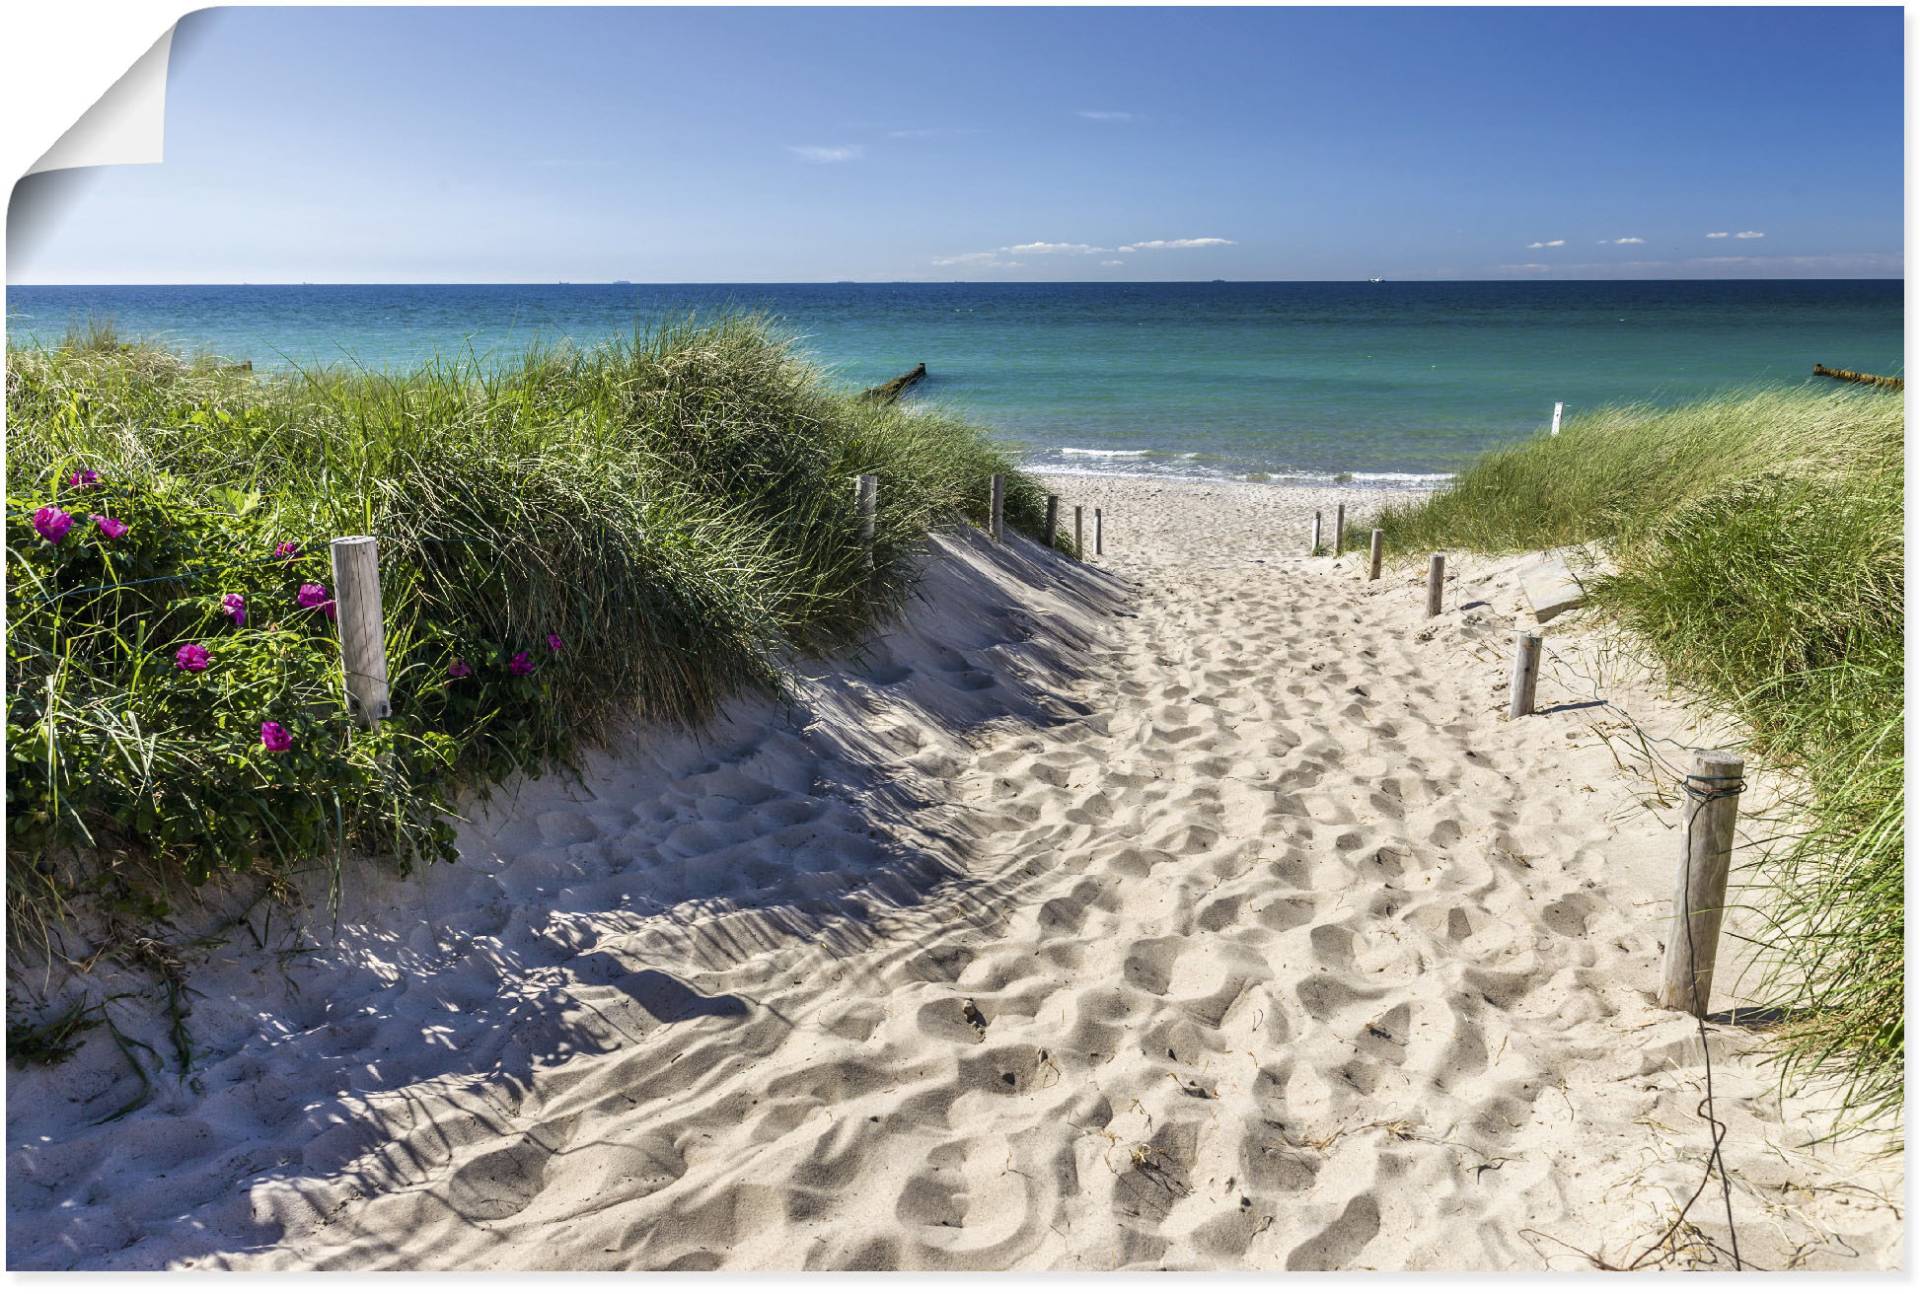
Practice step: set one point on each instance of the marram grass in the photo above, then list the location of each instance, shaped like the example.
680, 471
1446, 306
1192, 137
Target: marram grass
1759, 538
643, 529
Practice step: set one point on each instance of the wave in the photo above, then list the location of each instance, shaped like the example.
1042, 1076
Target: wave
1402, 478
1106, 453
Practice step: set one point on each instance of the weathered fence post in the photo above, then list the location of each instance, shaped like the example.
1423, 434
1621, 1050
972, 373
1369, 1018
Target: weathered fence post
866, 503
1053, 517
1099, 535
1436, 581
1313, 544
996, 519
1079, 531
363, 638
1557, 407
1374, 546
1711, 805
1526, 673
1339, 528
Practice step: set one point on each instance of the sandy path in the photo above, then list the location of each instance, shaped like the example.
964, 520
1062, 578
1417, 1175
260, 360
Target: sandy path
1226, 923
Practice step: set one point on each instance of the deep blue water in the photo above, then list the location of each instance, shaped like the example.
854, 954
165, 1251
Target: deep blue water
1207, 378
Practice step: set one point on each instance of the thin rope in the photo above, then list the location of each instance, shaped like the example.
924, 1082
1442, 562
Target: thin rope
1703, 789
151, 579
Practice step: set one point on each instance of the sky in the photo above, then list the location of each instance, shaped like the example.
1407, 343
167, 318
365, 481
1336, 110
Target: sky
795, 145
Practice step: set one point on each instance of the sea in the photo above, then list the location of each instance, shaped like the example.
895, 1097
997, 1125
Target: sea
1397, 382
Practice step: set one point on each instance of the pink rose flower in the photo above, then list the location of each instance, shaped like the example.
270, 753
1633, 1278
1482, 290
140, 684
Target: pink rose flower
193, 658
111, 527
276, 739
521, 665
52, 524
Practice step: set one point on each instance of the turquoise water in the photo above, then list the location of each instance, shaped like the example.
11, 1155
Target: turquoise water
1290, 379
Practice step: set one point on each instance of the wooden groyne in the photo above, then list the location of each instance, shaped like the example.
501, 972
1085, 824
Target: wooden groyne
1868, 379
888, 392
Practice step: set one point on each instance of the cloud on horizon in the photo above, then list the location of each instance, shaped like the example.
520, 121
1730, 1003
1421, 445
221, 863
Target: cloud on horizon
990, 260
978, 261
1552, 242
1721, 234
1621, 242
1749, 233
824, 153
1053, 249
1167, 244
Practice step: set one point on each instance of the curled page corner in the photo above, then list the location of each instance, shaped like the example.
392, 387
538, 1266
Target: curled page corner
126, 126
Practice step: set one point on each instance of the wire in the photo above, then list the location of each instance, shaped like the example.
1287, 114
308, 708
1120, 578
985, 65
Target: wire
1703, 789
151, 579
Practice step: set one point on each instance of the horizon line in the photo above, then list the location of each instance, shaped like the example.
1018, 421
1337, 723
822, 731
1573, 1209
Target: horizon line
696, 283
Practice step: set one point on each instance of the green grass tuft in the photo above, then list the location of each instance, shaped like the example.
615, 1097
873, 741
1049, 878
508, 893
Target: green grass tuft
1760, 544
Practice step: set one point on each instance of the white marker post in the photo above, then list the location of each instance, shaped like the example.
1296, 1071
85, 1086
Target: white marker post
363, 638
1557, 407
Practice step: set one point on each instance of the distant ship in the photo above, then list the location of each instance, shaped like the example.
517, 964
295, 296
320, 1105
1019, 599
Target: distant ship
623, 283
1376, 279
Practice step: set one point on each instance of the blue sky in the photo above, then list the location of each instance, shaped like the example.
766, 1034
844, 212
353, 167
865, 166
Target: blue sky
713, 145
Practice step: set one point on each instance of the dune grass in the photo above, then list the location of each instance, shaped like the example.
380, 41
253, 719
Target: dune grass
641, 529
1759, 539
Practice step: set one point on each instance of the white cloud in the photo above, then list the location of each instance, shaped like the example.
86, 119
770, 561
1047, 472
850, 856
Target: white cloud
1165, 244
1531, 267
1053, 249
991, 260
1552, 242
1096, 114
976, 260
826, 152
1721, 234
932, 132
1749, 233
1621, 242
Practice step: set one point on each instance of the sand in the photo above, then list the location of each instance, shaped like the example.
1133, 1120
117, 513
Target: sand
1198, 907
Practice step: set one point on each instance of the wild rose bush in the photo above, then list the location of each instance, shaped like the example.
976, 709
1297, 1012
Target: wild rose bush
174, 692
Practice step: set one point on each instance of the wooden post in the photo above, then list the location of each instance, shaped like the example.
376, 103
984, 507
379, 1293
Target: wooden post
1711, 805
1079, 532
1313, 545
1436, 582
1526, 673
1053, 518
1557, 407
1099, 535
996, 518
1339, 528
363, 638
866, 503
1374, 547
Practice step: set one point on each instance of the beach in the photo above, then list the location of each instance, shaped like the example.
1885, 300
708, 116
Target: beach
1195, 906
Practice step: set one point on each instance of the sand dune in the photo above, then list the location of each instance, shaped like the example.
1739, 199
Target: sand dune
1195, 909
